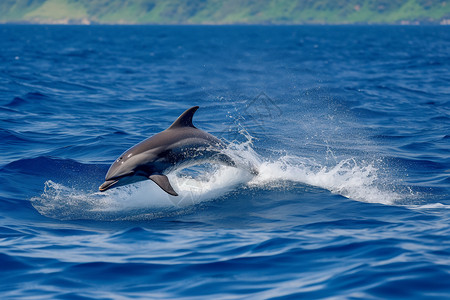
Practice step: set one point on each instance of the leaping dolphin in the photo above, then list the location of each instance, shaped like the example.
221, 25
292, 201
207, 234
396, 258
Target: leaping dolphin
180, 145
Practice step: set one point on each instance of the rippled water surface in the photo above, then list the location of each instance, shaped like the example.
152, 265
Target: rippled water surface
348, 127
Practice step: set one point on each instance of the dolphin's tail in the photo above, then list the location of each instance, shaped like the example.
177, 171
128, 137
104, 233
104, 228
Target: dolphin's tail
254, 171
228, 161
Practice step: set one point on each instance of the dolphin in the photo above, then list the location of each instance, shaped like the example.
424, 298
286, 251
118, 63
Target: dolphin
179, 146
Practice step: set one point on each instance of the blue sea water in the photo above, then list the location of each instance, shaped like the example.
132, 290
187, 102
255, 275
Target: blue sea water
349, 128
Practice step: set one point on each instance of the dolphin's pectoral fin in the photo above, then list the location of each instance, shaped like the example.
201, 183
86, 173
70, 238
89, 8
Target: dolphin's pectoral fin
163, 182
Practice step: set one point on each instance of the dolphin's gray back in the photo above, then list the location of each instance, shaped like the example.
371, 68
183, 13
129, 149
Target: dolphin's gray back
174, 147
181, 132
171, 138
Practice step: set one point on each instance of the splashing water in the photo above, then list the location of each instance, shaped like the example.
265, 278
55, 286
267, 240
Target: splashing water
348, 178
144, 200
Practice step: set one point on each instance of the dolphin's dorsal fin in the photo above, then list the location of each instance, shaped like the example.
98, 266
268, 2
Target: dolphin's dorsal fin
163, 182
185, 120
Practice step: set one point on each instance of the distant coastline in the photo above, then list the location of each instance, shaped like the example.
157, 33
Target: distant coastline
218, 12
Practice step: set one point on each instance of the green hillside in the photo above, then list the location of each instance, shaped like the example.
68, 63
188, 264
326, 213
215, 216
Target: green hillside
225, 12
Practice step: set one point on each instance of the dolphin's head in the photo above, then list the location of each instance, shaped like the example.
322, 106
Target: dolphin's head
125, 170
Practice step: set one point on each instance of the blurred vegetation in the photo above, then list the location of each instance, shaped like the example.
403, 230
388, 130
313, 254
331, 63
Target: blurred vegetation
225, 12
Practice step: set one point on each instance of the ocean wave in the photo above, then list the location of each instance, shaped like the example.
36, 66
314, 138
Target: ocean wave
350, 178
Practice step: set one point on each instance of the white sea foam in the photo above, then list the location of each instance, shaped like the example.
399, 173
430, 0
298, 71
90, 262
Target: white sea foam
430, 206
358, 180
349, 178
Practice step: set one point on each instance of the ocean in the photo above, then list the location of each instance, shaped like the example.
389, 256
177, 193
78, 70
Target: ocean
348, 127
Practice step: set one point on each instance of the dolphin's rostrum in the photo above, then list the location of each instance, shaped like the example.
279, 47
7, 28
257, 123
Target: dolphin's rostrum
180, 145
